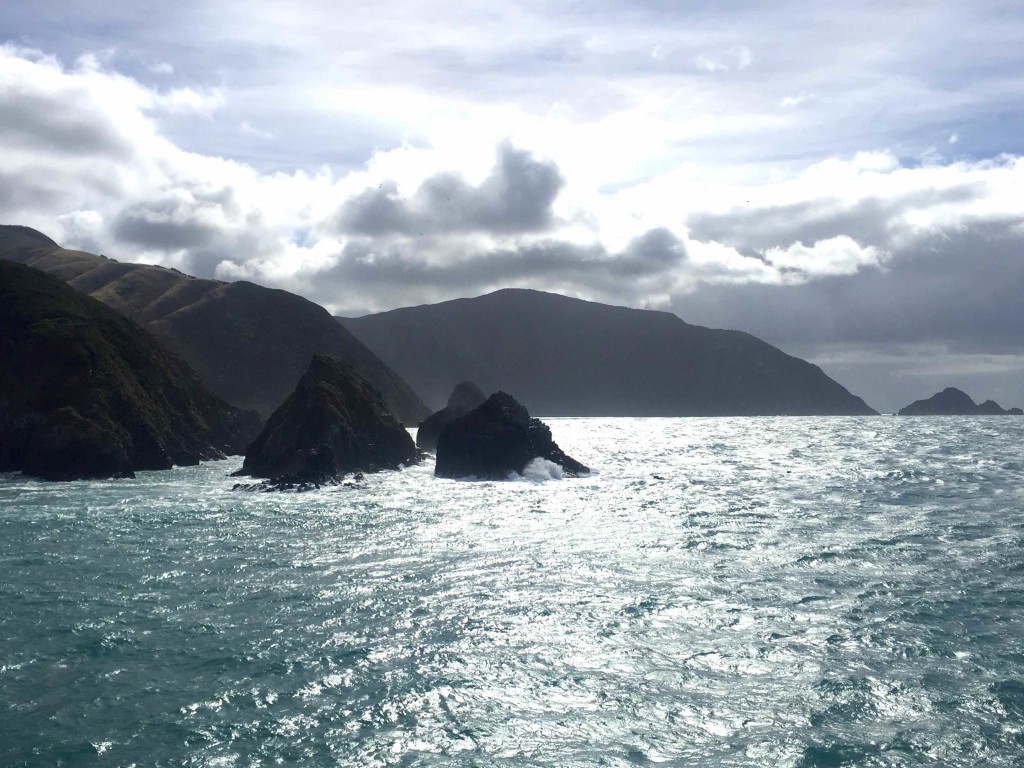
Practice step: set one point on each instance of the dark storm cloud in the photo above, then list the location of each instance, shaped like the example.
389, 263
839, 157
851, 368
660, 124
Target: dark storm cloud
648, 257
30, 120
171, 224
515, 198
867, 220
19, 194
207, 225
962, 288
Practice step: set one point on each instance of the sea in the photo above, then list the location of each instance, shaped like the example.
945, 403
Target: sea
718, 592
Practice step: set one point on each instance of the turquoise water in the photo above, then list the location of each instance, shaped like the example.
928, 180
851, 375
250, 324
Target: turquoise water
793, 592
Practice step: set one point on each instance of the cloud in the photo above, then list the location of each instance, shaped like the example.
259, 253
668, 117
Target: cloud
840, 255
794, 101
644, 268
516, 197
190, 100
961, 288
737, 58
250, 130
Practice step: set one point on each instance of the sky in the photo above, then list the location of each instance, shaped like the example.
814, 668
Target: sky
844, 180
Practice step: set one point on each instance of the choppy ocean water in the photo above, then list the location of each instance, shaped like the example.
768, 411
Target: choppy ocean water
724, 592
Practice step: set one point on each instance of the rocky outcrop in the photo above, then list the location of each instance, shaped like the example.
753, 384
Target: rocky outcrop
250, 344
954, 402
334, 423
496, 439
464, 398
87, 393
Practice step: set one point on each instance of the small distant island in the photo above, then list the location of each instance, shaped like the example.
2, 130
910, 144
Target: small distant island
955, 402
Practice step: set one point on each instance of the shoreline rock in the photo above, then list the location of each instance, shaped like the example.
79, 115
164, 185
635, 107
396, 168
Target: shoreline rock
335, 423
464, 398
496, 439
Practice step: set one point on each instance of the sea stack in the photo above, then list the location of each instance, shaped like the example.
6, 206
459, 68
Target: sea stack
86, 393
334, 423
464, 398
497, 439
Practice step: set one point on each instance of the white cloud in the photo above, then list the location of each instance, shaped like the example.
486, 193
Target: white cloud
840, 255
250, 130
794, 101
189, 100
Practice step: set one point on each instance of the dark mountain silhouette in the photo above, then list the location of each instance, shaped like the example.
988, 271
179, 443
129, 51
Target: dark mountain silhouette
334, 422
567, 357
955, 402
250, 344
86, 393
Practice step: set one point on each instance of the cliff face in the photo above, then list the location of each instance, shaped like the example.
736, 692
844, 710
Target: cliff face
334, 422
87, 393
954, 402
249, 343
566, 357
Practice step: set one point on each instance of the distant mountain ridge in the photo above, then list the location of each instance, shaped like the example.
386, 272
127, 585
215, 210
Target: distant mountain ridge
561, 356
249, 343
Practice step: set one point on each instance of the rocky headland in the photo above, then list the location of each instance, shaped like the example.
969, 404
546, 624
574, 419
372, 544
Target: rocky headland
86, 393
250, 344
464, 398
497, 439
334, 423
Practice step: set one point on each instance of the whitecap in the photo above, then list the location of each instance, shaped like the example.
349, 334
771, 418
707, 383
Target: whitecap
539, 471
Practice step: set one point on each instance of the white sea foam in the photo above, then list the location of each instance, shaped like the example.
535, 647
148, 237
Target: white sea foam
726, 591
538, 471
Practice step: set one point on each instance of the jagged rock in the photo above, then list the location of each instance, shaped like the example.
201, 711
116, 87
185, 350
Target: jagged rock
86, 393
464, 398
496, 439
954, 402
1015, 412
334, 423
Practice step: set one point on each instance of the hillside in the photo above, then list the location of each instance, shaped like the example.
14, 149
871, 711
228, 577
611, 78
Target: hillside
566, 357
249, 343
86, 392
